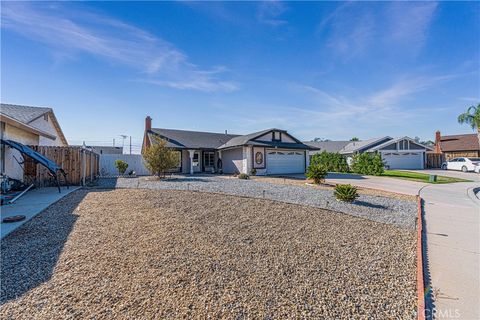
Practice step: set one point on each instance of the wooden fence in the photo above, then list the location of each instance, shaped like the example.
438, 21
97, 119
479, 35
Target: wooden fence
81, 166
435, 160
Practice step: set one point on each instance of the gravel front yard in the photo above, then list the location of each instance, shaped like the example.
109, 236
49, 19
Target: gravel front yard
399, 212
144, 254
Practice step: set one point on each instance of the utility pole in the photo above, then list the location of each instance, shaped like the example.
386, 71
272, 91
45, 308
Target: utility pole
114, 142
130, 144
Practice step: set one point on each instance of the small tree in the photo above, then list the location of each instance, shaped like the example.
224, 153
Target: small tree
158, 158
317, 173
354, 139
121, 166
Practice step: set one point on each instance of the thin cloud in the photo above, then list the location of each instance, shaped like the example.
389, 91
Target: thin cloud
72, 32
354, 30
269, 13
409, 23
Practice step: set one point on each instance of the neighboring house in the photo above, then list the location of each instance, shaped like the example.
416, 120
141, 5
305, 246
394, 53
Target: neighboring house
29, 126
398, 153
328, 146
104, 149
271, 151
460, 145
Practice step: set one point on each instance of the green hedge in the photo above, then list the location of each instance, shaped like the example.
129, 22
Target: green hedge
368, 164
331, 161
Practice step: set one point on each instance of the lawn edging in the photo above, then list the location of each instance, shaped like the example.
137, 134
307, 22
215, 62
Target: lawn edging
420, 276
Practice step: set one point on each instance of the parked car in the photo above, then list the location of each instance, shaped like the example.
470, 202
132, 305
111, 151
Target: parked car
463, 164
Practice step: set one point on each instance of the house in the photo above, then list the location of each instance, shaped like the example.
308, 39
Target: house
398, 153
328, 146
460, 145
271, 151
30, 126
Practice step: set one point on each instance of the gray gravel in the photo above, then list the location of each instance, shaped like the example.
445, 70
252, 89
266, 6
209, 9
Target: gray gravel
401, 213
162, 254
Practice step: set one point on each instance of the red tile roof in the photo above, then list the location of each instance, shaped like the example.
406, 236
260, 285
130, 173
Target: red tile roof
459, 142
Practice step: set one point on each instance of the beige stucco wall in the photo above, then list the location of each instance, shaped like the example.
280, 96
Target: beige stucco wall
12, 168
48, 127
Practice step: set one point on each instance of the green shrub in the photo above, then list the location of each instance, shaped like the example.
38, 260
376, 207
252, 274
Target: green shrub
332, 161
317, 173
253, 172
243, 176
345, 192
121, 166
368, 164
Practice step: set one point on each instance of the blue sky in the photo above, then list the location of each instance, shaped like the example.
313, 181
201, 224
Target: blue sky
318, 69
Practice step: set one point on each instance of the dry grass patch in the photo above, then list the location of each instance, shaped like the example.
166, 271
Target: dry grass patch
172, 254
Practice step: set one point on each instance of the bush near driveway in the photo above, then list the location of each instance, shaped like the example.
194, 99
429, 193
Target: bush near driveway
332, 161
317, 173
368, 164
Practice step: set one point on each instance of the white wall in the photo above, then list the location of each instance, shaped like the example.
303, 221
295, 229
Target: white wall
135, 163
47, 126
12, 168
232, 160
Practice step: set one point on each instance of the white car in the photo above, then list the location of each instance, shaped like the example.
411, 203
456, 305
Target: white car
463, 164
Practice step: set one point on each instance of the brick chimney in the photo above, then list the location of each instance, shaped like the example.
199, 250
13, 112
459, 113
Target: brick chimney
438, 137
148, 127
148, 123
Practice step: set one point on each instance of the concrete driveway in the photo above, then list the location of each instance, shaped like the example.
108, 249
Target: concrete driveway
380, 183
452, 234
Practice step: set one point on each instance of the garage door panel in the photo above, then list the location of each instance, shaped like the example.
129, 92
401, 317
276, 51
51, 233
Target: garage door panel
413, 160
285, 161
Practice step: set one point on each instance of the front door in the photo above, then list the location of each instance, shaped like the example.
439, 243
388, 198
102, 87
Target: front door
196, 162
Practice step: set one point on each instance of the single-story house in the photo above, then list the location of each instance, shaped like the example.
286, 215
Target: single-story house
269, 152
459, 145
30, 126
398, 153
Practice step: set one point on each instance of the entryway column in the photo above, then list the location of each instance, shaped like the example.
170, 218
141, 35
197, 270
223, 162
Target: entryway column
190, 153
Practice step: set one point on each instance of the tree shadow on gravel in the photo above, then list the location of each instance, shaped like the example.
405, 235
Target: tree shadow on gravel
370, 205
30, 253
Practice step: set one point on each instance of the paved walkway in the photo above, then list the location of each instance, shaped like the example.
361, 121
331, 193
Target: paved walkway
30, 204
452, 226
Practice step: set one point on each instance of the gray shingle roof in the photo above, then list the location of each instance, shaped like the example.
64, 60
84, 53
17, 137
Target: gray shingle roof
329, 146
184, 139
24, 114
242, 140
358, 146
192, 139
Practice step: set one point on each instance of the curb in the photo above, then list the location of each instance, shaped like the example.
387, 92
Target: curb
420, 279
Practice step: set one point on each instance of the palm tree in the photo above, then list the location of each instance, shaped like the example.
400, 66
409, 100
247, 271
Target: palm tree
472, 118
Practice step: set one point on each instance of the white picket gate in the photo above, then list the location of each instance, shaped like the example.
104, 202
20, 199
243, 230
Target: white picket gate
135, 163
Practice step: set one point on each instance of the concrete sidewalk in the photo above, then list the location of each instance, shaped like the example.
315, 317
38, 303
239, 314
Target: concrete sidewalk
30, 204
452, 232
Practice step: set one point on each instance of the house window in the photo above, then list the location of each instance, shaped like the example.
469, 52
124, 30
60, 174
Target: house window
276, 136
195, 159
209, 159
45, 117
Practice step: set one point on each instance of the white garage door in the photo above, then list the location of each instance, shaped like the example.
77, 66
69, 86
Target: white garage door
285, 161
408, 160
